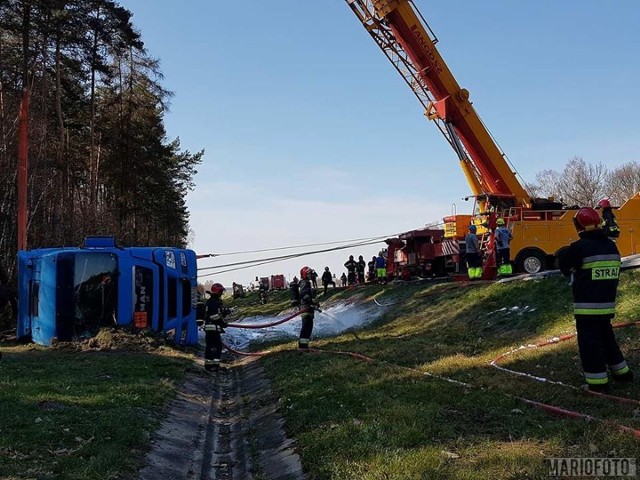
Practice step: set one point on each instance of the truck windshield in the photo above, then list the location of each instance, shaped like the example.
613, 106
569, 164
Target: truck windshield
87, 293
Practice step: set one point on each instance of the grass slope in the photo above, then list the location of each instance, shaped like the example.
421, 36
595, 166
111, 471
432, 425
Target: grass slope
81, 415
358, 420
70, 414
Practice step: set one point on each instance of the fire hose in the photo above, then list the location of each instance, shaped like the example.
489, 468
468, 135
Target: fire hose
539, 405
555, 340
262, 325
270, 324
552, 409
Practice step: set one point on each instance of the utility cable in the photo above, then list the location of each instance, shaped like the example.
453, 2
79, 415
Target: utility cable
291, 255
237, 268
274, 249
257, 262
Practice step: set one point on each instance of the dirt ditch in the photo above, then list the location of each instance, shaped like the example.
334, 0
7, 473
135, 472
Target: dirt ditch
223, 426
226, 426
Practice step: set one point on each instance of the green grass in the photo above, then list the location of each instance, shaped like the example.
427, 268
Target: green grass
88, 415
81, 415
358, 420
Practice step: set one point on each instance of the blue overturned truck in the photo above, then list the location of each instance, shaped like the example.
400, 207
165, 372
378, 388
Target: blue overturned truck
69, 293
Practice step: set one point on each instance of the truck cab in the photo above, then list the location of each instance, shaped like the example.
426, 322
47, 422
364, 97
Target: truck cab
69, 293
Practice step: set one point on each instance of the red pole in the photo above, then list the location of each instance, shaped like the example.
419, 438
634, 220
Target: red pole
23, 152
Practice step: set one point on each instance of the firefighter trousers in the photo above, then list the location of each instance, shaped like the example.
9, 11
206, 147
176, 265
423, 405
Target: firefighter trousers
212, 349
306, 329
598, 348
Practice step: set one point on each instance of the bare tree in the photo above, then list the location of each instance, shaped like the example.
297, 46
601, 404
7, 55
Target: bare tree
546, 186
579, 183
623, 182
582, 183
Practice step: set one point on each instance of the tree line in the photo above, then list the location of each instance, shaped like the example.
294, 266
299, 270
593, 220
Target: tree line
100, 161
584, 184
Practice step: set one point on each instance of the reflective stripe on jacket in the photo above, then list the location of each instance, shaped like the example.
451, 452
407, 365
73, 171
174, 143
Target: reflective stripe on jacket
595, 263
306, 293
213, 320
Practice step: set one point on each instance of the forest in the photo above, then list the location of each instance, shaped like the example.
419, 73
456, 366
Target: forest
99, 159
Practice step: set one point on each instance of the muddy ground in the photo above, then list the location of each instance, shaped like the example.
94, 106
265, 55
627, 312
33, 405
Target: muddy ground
223, 425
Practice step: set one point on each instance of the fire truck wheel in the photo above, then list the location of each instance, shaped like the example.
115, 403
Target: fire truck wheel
531, 261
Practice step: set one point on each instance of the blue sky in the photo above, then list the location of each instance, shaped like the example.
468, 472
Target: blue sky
312, 136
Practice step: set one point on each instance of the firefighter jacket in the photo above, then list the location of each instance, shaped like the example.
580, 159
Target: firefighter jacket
327, 277
294, 293
215, 313
609, 224
350, 265
306, 293
594, 261
361, 265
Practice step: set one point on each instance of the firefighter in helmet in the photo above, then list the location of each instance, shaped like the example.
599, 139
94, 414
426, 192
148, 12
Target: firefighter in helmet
609, 224
361, 266
213, 327
594, 261
302, 296
351, 266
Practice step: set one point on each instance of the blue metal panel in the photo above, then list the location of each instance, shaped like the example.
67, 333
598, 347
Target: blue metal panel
163, 267
99, 242
25, 275
43, 322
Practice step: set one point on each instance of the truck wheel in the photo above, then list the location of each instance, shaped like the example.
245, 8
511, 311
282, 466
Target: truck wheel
531, 261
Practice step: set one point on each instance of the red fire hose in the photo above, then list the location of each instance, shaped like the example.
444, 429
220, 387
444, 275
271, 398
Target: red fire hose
262, 325
543, 406
271, 324
496, 364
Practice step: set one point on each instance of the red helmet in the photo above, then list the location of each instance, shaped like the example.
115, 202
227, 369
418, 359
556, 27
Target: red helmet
305, 272
217, 289
586, 219
604, 203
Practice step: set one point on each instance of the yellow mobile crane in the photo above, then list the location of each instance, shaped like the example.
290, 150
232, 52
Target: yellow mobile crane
541, 227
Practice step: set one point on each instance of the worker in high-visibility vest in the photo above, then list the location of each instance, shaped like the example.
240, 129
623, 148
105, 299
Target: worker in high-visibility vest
473, 256
594, 262
503, 253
